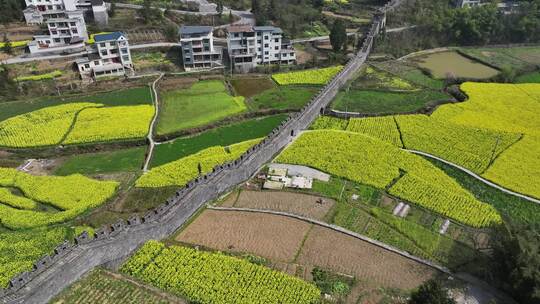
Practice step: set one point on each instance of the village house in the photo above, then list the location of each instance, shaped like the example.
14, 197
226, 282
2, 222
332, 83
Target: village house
249, 46
109, 56
197, 47
38, 11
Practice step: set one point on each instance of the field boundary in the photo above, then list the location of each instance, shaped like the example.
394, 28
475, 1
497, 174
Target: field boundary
341, 230
478, 177
150, 135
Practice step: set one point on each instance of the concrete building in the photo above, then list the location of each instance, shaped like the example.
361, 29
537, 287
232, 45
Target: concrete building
249, 46
38, 11
198, 50
110, 56
65, 32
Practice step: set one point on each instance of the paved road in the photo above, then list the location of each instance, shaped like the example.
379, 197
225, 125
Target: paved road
400, 29
478, 177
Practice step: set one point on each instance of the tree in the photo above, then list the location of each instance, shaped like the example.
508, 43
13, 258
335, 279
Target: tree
11, 10
7, 48
150, 14
171, 32
258, 11
8, 87
231, 17
338, 36
431, 292
219, 8
516, 256
112, 11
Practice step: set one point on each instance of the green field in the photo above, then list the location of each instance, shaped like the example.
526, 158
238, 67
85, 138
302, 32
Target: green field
410, 73
516, 57
529, 78
223, 136
282, 98
135, 96
203, 103
380, 102
101, 286
104, 162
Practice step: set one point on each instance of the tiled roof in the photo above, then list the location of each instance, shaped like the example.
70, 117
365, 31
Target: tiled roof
108, 36
268, 29
189, 29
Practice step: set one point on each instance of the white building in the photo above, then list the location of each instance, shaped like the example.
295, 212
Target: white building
252, 45
198, 50
65, 32
38, 11
110, 56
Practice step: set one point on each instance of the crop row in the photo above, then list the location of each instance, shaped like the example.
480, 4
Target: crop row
370, 161
316, 76
179, 172
50, 75
216, 278
383, 128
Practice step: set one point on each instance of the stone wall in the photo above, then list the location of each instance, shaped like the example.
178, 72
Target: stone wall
52, 273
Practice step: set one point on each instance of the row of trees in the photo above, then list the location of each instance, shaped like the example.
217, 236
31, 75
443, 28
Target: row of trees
293, 16
11, 10
487, 24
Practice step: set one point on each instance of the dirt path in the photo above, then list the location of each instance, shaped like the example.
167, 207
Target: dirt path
478, 177
150, 135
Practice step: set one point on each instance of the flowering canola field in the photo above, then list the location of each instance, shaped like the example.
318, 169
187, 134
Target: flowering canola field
179, 172
315, 76
374, 162
69, 195
216, 278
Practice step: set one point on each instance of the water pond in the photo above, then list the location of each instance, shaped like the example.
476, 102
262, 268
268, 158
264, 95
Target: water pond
452, 63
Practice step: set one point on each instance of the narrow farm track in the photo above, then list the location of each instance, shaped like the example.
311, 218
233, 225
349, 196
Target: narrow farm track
150, 135
341, 230
478, 177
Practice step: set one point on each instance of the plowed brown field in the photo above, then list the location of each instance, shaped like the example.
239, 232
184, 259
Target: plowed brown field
271, 236
296, 203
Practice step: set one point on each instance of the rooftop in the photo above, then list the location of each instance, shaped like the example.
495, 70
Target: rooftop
240, 28
268, 29
108, 36
189, 29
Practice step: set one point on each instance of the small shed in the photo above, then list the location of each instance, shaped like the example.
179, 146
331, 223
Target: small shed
273, 185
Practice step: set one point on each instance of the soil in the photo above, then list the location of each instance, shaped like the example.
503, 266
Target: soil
367, 262
270, 236
174, 83
301, 204
42, 166
249, 87
229, 200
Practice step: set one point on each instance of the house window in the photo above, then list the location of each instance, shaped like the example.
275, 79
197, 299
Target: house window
96, 62
87, 66
102, 44
266, 37
112, 43
276, 47
114, 51
206, 49
266, 52
57, 40
72, 23
276, 55
266, 45
125, 58
292, 54
236, 35
259, 49
74, 30
104, 53
259, 57
276, 40
53, 32
124, 51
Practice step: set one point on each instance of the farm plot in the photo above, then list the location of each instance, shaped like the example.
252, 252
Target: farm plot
329, 123
203, 103
43, 127
345, 254
370, 161
179, 172
270, 236
249, 87
100, 286
296, 203
69, 196
223, 136
383, 128
124, 160
517, 57
387, 102
316, 76
282, 98
110, 124
452, 63
205, 277
378, 79
504, 108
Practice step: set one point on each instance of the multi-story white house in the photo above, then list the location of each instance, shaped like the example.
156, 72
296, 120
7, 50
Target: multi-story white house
249, 46
198, 50
38, 11
110, 56
66, 32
